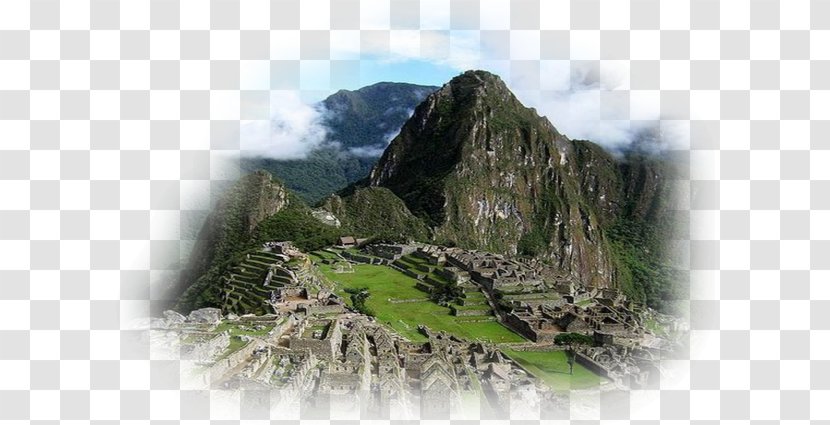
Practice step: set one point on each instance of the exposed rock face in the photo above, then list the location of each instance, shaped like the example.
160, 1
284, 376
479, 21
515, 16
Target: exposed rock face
173, 318
205, 315
326, 217
486, 172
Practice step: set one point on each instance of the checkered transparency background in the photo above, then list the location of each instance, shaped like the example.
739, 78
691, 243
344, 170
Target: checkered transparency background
120, 120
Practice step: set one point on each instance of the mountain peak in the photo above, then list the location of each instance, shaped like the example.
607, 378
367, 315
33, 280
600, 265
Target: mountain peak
477, 76
477, 83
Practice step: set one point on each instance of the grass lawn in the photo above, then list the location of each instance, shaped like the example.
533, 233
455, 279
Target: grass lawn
552, 367
384, 283
324, 254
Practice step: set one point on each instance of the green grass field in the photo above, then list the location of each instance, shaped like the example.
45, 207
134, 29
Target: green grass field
384, 283
552, 367
324, 255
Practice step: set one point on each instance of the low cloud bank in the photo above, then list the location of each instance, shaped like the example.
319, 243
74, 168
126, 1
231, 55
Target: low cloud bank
294, 129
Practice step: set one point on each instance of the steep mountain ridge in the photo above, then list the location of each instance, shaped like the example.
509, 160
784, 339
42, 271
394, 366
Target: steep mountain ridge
486, 172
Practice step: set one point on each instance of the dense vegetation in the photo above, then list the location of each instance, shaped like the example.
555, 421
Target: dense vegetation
376, 213
572, 339
446, 293
296, 224
640, 235
323, 172
644, 274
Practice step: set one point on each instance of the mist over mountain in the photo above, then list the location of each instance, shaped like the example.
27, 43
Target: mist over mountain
349, 135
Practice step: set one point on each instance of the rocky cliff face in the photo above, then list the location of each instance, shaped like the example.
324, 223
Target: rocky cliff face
486, 172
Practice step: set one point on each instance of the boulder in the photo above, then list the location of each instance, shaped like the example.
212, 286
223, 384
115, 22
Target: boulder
232, 316
205, 315
173, 318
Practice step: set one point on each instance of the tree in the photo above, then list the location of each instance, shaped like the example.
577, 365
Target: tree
572, 340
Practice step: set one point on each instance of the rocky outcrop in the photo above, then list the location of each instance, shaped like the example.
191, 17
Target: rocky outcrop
173, 318
207, 315
326, 217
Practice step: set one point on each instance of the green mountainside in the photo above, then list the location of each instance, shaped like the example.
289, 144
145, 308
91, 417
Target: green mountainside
376, 212
360, 124
485, 172
255, 210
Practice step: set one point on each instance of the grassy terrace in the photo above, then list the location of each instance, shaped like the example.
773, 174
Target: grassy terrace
385, 283
552, 367
323, 254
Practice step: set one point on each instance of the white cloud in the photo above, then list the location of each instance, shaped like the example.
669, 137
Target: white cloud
294, 129
368, 151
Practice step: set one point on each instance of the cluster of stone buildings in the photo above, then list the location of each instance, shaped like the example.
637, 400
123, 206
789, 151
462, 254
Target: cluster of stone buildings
536, 302
348, 362
311, 350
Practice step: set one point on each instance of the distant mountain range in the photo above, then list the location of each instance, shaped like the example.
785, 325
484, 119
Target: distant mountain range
360, 125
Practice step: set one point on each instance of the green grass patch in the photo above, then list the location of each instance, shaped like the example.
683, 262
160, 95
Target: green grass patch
322, 254
384, 283
552, 368
235, 345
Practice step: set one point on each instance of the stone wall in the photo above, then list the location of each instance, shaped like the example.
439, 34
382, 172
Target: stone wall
591, 365
208, 350
325, 309
469, 312
521, 326
423, 287
221, 367
357, 258
324, 348
406, 271
431, 281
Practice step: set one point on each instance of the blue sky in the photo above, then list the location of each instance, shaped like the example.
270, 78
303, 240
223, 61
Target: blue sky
409, 71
